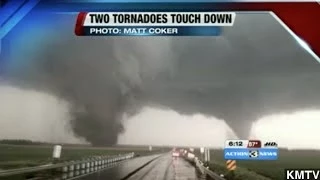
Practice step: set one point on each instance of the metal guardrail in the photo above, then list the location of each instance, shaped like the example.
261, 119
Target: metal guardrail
69, 166
206, 171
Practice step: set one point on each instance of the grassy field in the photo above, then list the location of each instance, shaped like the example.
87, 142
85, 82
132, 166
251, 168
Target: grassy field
15, 156
263, 170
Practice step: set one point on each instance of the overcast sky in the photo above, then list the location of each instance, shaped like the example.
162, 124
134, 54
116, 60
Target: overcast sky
253, 80
298, 130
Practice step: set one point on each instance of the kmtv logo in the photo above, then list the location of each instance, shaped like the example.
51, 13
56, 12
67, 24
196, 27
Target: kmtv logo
303, 174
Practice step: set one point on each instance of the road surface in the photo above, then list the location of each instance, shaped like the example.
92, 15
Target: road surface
162, 168
167, 168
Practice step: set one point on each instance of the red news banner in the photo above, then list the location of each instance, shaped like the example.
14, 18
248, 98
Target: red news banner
302, 18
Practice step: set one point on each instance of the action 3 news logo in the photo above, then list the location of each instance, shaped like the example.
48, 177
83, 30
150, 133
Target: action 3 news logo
304, 174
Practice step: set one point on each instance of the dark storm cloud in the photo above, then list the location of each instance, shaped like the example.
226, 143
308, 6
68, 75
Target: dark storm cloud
255, 68
101, 77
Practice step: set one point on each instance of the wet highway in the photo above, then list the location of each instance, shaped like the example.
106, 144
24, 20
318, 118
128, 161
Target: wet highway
167, 168
162, 168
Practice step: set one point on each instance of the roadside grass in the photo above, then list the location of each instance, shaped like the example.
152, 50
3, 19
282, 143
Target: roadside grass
263, 170
239, 174
17, 156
